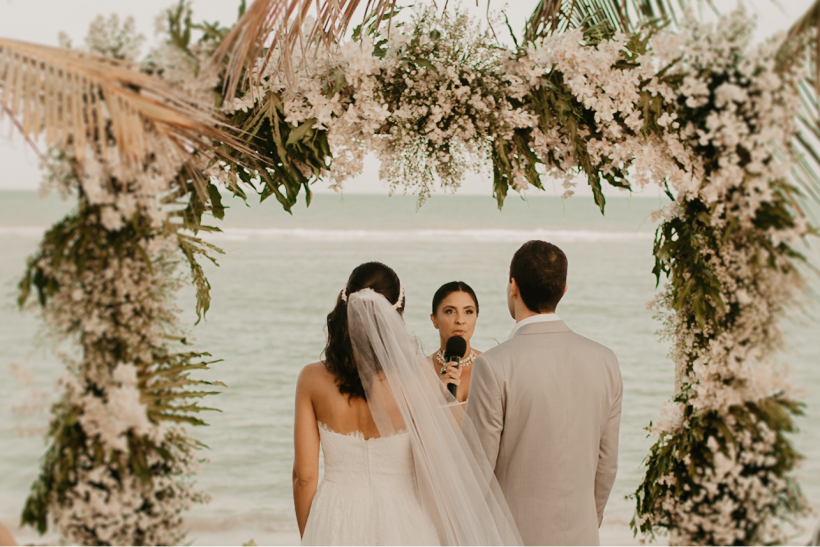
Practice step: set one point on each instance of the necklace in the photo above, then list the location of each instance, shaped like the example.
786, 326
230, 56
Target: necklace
466, 362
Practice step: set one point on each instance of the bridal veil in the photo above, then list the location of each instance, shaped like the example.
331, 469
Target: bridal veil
456, 485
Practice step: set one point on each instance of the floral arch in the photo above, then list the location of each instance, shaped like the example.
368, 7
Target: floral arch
699, 110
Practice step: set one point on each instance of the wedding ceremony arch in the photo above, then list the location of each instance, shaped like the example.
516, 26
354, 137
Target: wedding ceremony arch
621, 94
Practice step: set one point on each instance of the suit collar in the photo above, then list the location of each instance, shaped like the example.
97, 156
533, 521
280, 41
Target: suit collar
549, 327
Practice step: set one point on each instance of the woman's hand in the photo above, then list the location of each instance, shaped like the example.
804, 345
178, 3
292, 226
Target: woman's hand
451, 374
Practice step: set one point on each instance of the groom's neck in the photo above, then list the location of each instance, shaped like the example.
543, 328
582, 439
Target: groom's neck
523, 312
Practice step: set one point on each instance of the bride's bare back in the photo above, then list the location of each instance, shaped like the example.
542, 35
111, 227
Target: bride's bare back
318, 399
340, 412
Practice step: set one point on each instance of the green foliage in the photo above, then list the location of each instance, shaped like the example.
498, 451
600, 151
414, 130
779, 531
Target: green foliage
680, 246
59, 461
298, 155
165, 386
189, 210
182, 28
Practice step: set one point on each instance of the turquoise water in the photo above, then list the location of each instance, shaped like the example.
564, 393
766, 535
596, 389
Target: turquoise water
280, 277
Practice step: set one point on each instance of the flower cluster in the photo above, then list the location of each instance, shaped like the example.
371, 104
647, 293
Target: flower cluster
602, 111
444, 86
727, 488
428, 98
107, 508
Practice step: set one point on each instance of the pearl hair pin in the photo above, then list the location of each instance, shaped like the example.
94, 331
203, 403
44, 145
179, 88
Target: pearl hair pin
396, 306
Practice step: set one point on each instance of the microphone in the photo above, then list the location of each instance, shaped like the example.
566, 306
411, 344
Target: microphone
453, 352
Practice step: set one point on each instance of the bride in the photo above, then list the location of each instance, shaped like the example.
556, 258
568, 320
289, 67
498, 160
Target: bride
399, 470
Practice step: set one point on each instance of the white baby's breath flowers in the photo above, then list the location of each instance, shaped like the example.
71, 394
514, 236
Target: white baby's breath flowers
426, 98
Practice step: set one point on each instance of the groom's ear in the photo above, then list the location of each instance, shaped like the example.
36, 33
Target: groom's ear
565, 288
514, 288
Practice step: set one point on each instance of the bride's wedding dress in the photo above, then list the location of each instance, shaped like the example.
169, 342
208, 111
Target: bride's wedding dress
368, 495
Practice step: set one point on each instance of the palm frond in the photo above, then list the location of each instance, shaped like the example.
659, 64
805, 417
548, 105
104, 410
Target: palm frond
802, 45
279, 24
807, 28
556, 16
807, 22
79, 100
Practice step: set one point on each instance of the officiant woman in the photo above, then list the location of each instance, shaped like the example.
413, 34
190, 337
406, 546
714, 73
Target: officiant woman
455, 311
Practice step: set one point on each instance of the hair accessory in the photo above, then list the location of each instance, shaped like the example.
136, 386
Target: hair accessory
396, 306
400, 301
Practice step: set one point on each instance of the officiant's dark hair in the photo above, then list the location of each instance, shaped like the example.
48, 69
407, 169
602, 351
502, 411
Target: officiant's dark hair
540, 271
338, 354
449, 288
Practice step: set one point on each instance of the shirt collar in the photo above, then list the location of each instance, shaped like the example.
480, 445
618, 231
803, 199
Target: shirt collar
539, 318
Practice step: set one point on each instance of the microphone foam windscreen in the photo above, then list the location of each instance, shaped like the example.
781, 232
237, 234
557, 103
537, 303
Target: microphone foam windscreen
456, 347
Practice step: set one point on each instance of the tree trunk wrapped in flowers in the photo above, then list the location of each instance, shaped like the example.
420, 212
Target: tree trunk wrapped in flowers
720, 471
117, 469
119, 466
120, 463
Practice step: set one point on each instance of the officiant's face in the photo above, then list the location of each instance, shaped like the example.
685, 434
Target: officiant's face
456, 316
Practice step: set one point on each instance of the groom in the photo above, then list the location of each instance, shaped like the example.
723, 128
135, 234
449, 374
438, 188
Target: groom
547, 405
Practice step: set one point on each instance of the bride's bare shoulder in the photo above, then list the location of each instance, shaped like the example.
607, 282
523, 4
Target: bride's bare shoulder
315, 375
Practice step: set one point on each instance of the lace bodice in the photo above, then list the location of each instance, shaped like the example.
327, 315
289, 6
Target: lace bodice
377, 463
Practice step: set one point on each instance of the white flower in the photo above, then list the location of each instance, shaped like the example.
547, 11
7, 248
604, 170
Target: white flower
111, 218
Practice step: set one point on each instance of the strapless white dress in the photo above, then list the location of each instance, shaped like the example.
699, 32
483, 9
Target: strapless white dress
368, 495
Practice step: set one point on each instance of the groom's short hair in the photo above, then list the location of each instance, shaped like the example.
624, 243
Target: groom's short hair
540, 271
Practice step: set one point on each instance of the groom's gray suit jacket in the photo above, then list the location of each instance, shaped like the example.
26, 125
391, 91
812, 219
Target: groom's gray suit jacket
547, 407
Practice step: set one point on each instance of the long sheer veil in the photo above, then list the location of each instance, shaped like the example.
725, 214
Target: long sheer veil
456, 484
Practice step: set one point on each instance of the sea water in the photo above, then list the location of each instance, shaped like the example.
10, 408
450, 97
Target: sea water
280, 276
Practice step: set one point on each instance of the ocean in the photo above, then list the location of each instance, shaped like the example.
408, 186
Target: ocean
279, 278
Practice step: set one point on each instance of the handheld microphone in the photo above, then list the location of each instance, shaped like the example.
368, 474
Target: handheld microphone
453, 352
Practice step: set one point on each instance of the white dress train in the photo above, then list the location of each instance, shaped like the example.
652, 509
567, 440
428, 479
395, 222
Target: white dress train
368, 495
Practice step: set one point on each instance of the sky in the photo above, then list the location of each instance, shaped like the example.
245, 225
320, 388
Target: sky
41, 21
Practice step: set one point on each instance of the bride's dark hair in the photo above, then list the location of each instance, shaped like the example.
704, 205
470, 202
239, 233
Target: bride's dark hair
338, 354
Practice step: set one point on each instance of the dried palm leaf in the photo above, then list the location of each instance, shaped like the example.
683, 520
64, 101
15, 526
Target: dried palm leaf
79, 100
279, 25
